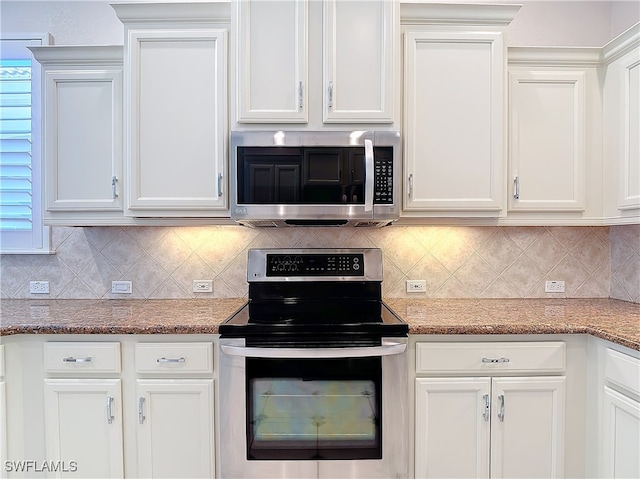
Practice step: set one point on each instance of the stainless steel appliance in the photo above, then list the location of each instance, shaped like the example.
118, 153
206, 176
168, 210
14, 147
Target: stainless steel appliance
327, 178
313, 371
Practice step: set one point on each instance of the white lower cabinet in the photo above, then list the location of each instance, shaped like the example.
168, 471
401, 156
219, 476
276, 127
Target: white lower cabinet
126, 408
489, 427
83, 410
621, 441
175, 428
3, 415
83, 424
493, 425
174, 393
620, 447
452, 431
527, 427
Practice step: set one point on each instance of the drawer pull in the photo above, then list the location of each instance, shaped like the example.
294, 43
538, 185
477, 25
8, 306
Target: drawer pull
495, 360
170, 360
501, 410
109, 411
141, 416
71, 359
487, 407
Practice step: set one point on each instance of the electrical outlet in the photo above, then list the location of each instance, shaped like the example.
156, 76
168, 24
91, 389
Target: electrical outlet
416, 286
202, 286
121, 287
554, 286
39, 287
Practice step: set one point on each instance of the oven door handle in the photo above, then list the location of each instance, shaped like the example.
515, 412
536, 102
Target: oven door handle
387, 348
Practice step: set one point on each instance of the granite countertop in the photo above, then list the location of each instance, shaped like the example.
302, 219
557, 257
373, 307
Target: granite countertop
609, 319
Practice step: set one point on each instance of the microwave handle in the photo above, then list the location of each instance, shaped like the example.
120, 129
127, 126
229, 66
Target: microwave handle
369, 175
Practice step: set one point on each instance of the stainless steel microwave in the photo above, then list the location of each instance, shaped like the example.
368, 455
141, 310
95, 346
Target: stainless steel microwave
315, 178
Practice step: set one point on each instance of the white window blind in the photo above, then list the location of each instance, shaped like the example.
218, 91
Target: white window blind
16, 182
21, 228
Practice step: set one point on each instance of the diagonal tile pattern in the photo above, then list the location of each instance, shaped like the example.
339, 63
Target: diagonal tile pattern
456, 262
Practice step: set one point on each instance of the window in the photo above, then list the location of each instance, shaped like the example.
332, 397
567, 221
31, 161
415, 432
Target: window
21, 228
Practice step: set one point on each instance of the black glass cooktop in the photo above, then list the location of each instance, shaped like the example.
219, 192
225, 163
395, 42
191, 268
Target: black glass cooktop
325, 311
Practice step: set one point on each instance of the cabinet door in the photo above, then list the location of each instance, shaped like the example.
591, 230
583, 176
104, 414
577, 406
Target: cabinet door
177, 133
547, 140
83, 427
83, 147
359, 46
621, 441
175, 428
454, 107
3, 416
527, 436
629, 189
452, 427
271, 42
3, 427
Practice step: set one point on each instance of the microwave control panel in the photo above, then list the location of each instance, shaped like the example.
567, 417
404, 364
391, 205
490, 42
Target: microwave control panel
383, 186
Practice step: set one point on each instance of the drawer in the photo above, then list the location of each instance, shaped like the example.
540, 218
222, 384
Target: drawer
484, 358
622, 370
172, 358
82, 358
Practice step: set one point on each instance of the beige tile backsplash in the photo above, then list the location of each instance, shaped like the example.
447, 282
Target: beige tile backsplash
456, 262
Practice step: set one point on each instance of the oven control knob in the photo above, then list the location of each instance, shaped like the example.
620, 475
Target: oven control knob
356, 266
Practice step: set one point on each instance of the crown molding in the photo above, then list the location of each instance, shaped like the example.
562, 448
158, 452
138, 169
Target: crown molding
79, 54
185, 13
555, 56
458, 14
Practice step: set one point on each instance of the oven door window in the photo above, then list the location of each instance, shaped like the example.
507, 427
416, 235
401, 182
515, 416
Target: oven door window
314, 409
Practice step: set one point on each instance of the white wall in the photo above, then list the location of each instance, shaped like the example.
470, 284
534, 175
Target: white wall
538, 23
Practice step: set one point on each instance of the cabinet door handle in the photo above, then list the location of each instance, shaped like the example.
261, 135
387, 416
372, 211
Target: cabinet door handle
141, 416
411, 186
495, 360
300, 96
330, 95
170, 360
71, 359
114, 192
109, 411
219, 184
487, 407
516, 188
501, 408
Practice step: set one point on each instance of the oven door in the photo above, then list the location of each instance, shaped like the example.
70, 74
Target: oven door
313, 412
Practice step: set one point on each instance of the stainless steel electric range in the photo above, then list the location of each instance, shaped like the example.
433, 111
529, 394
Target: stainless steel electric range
313, 370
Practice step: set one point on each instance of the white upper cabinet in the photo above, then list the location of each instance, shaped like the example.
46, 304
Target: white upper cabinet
292, 69
547, 140
175, 108
454, 100
555, 139
82, 95
622, 128
358, 62
271, 42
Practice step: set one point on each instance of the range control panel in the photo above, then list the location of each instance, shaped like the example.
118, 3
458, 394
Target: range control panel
345, 264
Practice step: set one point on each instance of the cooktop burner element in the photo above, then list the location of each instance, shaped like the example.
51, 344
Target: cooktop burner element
297, 294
